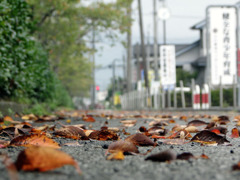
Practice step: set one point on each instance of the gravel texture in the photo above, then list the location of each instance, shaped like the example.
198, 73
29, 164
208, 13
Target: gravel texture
93, 163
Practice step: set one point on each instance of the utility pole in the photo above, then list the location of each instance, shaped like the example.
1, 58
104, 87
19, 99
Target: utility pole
93, 67
143, 46
129, 51
138, 62
155, 41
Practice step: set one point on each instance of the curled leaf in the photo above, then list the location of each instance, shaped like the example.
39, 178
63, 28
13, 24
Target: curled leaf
197, 122
140, 140
209, 137
167, 155
124, 146
43, 159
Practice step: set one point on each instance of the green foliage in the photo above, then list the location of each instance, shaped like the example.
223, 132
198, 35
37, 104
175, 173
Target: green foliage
65, 28
25, 73
185, 76
227, 97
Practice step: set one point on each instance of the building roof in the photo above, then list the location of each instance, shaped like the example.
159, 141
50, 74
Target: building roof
179, 49
200, 25
201, 61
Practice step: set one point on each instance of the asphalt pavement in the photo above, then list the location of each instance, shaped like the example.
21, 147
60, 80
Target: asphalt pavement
90, 155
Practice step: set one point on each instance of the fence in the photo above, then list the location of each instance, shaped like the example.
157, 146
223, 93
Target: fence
193, 97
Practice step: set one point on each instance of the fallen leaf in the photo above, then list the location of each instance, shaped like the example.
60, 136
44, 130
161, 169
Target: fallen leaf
216, 131
30, 117
140, 140
7, 118
197, 122
70, 132
43, 159
116, 156
34, 140
157, 131
128, 123
221, 129
223, 120
204, 156
167, 155
103, 135
236, 166
173, 141
184, 118
235, 133
207, 137
88, 118
185, 156
171, 121
124, 146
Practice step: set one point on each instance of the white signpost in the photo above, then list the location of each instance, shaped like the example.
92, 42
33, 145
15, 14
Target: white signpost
222, 25
168, 66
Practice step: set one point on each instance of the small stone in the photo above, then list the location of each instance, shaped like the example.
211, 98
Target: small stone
231, 151
105, 146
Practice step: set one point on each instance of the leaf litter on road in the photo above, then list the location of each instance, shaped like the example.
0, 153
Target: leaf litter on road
210, 131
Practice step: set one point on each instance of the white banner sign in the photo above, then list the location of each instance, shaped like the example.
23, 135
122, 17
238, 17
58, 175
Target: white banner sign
168, 66
222, 33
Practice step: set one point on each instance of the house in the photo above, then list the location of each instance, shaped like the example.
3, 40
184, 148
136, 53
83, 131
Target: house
186, 57
190, 57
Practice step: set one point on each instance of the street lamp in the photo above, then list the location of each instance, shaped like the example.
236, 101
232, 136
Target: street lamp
164, 14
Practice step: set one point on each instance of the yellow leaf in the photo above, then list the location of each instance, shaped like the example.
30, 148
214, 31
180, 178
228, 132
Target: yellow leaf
116, 156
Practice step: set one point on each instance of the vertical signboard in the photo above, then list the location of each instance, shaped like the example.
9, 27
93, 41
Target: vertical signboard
222, 25
168, 66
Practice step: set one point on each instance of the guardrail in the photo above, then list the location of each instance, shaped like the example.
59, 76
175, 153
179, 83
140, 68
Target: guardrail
193, 97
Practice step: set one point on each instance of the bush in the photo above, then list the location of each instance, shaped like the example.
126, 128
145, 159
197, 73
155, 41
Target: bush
25, 73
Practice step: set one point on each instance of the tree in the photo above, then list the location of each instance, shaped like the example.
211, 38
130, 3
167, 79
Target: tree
64, 27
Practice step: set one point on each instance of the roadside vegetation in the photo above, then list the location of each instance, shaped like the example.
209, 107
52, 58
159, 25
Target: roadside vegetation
46, 48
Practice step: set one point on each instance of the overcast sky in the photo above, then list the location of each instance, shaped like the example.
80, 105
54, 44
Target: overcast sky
184, 14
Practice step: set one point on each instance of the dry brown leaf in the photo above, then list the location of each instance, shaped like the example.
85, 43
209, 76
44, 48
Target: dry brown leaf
197, 122
30, 117
235, 133
34, 140
124, 146
221, 129
167, 155
116, 156
104, 135
71, 132
128, 123
236, 166
185, 156
88, 118
174, 141
44, 159
208, 137
204, 156
8, 118
140, 140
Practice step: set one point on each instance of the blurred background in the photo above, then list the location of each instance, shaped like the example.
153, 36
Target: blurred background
85, 54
